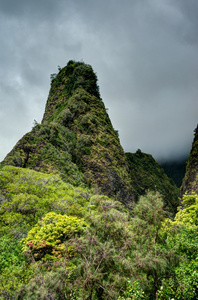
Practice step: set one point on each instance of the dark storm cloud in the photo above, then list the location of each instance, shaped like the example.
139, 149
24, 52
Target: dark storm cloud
144, 53
26, 8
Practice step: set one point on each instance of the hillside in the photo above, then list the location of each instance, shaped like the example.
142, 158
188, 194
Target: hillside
190, 182
74, 221
60, 242
146, 174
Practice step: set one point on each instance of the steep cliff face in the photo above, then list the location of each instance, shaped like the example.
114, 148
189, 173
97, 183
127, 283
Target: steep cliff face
190, 182
146, 174
76, 139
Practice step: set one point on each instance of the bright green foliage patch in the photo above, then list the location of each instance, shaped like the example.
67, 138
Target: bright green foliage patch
13, 269
47, 237
181, 235
10, 252
26, 196
133, 291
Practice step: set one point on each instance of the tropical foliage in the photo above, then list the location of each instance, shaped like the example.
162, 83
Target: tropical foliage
181, 234
62, 242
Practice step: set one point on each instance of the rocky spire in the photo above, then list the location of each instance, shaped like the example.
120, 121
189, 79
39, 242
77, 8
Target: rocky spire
76, 139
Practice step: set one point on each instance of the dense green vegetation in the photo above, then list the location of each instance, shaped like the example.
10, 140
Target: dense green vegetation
181, 234
58, 241
146, 174
80, 219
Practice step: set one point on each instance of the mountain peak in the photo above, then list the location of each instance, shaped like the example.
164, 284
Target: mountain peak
74, 76
76, 139
77, 142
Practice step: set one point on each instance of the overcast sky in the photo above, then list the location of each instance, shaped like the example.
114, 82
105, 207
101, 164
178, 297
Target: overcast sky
144, 52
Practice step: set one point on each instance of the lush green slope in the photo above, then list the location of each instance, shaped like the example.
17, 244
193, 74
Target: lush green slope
146, 174
76, 139
60, 242
29, 198
190, 182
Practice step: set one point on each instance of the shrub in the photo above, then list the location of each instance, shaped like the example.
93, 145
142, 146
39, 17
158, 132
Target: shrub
46, 239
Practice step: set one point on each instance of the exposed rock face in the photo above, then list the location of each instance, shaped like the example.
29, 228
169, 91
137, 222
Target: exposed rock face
76, 139
190, 182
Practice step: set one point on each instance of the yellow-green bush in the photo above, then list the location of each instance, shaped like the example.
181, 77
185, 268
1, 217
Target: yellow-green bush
47, 237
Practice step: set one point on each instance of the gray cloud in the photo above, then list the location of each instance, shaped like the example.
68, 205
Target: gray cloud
144, 53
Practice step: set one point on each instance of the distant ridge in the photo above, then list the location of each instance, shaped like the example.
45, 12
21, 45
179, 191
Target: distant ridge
175, 169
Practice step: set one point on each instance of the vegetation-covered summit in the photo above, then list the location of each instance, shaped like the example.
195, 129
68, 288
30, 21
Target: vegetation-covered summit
76, 139
77, 142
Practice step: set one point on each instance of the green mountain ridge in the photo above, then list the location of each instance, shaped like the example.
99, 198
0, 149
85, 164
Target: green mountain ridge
190, 181
77, 142
147, 174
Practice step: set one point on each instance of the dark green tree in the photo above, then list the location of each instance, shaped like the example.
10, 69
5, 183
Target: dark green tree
149, 254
